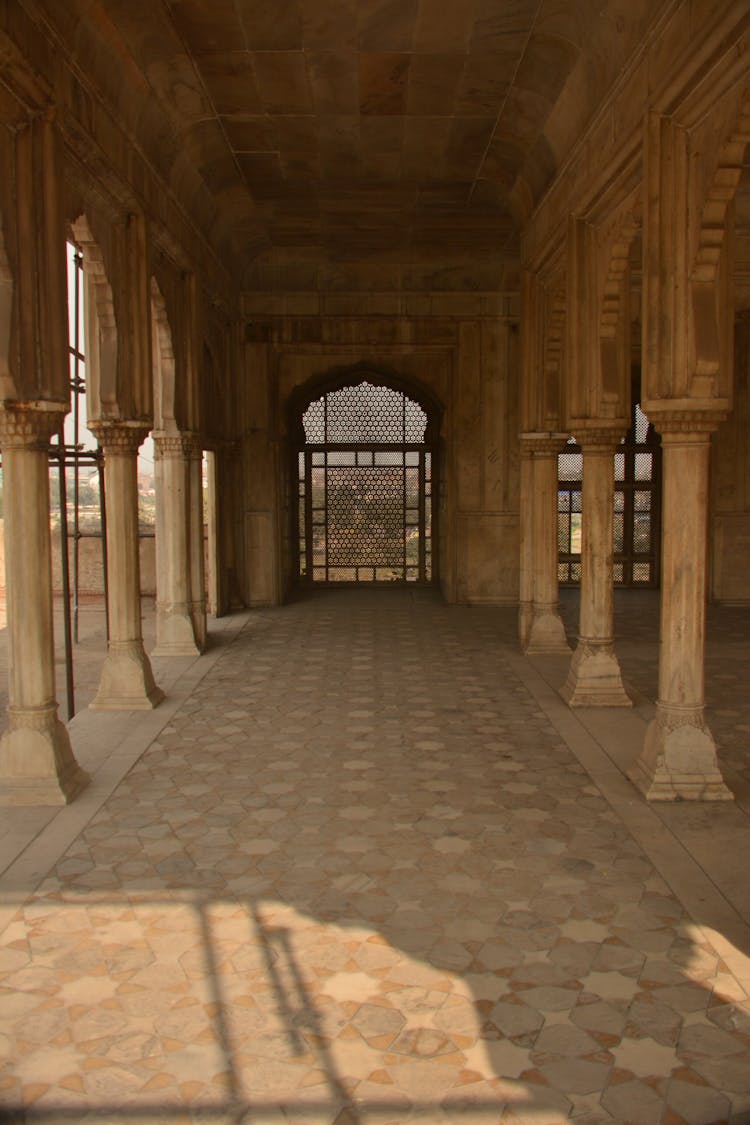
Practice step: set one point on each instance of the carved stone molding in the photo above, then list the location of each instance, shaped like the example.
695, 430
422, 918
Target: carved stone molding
172, 445
601, 439
544, 443
30, 425
119, 437
687, 422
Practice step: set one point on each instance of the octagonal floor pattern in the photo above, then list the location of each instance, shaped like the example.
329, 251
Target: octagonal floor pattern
360, 878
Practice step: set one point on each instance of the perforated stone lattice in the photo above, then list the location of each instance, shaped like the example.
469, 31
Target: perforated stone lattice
365, 489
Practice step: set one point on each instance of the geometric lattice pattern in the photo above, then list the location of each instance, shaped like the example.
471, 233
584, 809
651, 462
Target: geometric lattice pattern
405, 902
365, 488
364, 414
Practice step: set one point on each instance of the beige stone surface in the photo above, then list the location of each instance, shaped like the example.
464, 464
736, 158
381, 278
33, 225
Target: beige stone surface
403, 898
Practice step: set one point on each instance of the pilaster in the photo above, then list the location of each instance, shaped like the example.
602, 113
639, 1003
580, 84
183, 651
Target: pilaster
37, 765
127, 682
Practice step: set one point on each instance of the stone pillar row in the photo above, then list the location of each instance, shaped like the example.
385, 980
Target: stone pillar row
679, 759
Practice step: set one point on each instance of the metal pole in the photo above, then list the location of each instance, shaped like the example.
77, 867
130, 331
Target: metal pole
77, 260
59, 454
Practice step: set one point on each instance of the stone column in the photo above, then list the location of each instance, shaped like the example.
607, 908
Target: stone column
175, 635
594, 679
546, 630
127, 682
37, 765
525, 533
679, 755
196, 544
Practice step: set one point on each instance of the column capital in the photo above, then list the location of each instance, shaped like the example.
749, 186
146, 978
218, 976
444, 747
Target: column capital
171, 444
700, 423
30, 425
600, 439
542, 442
118, 436
177, 443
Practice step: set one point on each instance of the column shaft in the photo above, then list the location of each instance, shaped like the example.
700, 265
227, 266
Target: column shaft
546, 630
197, 546
175, 635
679, 756
127, 681
526, 537
594, 679
37, 766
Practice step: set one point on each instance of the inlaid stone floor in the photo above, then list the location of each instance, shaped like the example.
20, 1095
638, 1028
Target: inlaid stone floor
359, 874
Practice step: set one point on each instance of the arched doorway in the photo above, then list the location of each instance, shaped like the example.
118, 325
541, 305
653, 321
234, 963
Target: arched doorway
365, 465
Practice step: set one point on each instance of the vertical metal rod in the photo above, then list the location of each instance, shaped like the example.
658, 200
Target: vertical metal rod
404, 479
65, 575
422, 522
77, 261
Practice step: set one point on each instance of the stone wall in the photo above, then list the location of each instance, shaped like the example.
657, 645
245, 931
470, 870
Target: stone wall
729, 539
463, 349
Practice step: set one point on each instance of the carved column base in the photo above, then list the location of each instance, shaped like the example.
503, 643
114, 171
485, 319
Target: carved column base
679, 762
594, 679
525, 614
546, 632
174, 631
37, 766
200, 625
127, 682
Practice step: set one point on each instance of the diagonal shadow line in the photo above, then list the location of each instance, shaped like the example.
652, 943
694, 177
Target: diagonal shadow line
305, 1012
222, 1027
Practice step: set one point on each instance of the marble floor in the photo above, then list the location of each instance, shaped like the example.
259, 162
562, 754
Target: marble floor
363, 866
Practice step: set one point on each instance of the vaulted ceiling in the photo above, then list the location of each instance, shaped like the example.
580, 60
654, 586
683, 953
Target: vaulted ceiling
396, 132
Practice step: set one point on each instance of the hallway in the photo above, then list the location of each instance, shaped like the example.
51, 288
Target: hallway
367, 868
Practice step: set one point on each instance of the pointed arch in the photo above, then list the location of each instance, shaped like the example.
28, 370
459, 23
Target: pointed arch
709, 275
163, 361
7, 382
554, 345
101, 327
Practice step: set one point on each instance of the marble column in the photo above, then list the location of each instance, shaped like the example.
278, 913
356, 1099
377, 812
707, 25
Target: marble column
525, 531
546, 631
127, 682
679, 756
175, 634
196, 543
37, 765
594, 678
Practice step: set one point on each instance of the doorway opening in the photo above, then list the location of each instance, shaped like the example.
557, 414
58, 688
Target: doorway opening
365, 478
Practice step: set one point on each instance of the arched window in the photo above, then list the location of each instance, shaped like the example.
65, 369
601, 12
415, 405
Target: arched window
365, 511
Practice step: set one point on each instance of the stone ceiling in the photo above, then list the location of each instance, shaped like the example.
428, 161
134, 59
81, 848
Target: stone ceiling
392, 132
